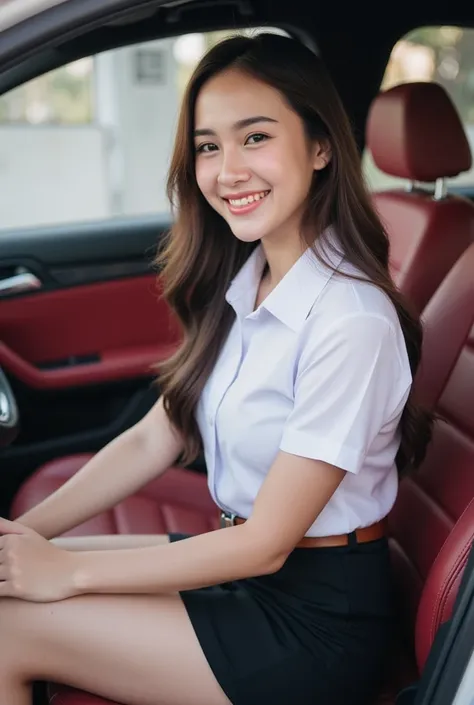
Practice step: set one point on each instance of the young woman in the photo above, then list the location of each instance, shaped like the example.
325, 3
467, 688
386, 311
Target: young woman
294, 375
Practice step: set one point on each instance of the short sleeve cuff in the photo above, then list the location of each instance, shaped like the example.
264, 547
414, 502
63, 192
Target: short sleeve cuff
307, 446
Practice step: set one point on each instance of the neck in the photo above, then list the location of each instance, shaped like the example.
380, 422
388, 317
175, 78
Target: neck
280, 258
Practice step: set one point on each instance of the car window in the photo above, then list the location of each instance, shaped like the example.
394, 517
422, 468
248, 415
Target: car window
441, 54
92, 140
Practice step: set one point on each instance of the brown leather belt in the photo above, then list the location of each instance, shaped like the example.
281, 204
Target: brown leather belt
369, 533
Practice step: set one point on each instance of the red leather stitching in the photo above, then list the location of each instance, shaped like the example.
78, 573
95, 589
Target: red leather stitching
444, 600
451, 577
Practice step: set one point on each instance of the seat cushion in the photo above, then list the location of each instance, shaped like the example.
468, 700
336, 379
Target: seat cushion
177, 501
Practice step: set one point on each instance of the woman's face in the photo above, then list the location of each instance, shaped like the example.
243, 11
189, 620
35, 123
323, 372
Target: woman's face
254, 164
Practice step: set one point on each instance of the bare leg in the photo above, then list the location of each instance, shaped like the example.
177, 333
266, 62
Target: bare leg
110, 542
139, 650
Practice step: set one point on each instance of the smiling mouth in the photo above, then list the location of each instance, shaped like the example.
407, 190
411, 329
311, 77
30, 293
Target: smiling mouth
247, 203
238, 202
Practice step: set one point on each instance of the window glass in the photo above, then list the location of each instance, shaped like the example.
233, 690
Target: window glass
61, 97
93, 139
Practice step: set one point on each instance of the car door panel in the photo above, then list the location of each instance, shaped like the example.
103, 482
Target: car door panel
80, 350
85, 334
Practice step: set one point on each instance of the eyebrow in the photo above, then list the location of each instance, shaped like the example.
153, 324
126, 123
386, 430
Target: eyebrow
239, 125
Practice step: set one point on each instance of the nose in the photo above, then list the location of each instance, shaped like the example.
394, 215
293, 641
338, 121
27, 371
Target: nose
233, 168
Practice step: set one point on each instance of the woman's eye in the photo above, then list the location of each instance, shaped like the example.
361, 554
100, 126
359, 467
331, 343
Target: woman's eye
256, 138
206, 148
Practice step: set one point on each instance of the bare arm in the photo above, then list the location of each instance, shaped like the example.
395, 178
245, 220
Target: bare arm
109, 542
127, 463
258, 547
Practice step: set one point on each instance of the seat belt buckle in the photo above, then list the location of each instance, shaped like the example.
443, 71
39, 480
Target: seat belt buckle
227, 519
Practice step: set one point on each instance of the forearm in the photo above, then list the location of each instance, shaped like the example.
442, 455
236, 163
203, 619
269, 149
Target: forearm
109, 543
208, 559
127, 463
117, 471
100, 484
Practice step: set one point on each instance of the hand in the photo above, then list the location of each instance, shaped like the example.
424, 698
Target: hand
32, 568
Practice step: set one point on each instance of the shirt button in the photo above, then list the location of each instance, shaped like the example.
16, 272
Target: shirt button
210, 419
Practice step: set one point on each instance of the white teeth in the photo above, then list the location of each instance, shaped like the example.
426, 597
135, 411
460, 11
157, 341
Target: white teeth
236, 202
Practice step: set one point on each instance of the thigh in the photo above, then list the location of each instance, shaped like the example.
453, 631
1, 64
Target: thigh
139, 650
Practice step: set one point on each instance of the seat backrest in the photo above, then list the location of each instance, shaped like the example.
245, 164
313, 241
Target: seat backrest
414, 132
432, 523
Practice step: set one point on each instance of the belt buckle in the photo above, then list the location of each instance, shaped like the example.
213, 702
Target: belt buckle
227, 519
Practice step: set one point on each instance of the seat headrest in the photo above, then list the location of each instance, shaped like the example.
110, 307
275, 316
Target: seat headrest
414, 132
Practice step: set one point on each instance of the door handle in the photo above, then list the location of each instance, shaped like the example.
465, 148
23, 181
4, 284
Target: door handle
26, 281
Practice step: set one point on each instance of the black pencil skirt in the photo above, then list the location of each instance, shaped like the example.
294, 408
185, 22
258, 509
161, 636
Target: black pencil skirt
314, 633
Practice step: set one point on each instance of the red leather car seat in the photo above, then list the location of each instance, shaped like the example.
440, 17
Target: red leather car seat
176, 501
414, 132
432, 524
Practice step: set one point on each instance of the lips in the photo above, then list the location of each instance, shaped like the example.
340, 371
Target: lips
245, 203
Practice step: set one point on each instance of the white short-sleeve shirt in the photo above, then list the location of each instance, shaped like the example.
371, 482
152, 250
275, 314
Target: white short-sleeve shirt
320, 370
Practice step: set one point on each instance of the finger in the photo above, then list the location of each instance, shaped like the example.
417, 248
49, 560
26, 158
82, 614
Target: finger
3, 545
11, 527
4, 541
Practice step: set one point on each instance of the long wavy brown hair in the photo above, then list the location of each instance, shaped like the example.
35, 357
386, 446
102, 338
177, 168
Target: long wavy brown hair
200, 256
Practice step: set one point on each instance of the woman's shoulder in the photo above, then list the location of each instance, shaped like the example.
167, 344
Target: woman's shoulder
354, 327
354, 319
350, 294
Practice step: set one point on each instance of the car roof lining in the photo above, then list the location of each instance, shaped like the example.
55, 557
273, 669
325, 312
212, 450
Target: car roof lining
133, 28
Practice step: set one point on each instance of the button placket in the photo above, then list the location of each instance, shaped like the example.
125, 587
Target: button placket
229, 374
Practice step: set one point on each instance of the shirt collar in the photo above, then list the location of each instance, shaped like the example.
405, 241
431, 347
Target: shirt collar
295, 295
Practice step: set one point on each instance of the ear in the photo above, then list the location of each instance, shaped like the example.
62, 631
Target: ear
321, 155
